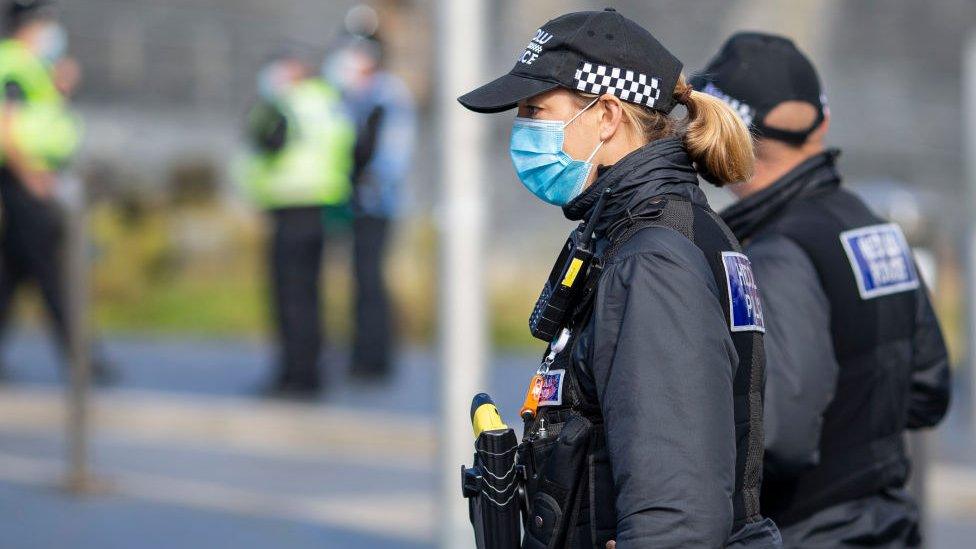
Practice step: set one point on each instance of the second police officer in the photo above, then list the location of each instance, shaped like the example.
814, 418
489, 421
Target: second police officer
652, 436
854, 351
301, 144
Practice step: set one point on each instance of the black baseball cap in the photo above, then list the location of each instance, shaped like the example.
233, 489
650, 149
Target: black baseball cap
21, 11
754, 72
592, 51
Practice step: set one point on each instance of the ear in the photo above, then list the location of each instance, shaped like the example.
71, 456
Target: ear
825, 125
612, 116
818, 135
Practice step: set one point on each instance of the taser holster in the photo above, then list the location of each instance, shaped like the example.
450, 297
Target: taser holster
492, 484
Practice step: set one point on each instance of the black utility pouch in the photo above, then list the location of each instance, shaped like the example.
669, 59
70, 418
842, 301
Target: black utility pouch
559, 476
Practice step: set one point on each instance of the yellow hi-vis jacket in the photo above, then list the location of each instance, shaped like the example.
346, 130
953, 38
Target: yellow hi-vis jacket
44, 130
314, 166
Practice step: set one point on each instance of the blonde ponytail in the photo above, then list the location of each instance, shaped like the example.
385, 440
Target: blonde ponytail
717, 140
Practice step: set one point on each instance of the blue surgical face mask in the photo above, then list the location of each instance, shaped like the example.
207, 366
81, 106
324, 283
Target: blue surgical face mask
349, 70
273, 81
542, 165
52, 42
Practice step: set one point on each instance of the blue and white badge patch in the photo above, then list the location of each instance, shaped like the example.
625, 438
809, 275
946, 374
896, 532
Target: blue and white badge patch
551, 393
745, 307
881, 260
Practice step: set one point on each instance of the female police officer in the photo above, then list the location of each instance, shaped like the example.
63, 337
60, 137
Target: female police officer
649, 429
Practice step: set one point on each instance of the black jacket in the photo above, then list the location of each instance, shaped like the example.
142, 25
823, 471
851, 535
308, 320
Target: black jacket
846, 374
657, 356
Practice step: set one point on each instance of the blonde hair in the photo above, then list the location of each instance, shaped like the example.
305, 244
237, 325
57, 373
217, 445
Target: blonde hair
716, 139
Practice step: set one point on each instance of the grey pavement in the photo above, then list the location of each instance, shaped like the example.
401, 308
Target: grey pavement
239, 368
42, 516
187, 457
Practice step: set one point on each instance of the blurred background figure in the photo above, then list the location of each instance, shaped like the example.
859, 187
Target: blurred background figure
39, 135
383, 112
301, 155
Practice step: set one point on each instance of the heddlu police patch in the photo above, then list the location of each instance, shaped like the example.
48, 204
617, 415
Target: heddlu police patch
745, 307
881, 260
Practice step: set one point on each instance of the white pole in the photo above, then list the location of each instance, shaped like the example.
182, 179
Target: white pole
462, 25
969, 155
919, 442
75, 272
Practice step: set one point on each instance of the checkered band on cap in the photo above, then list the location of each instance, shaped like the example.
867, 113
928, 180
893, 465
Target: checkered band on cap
625, 84
744, 110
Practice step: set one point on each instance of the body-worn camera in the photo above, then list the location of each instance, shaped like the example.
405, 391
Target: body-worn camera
568, 280
562, 289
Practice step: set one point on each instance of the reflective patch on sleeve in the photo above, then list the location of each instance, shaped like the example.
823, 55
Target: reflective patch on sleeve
881, 260
745, 307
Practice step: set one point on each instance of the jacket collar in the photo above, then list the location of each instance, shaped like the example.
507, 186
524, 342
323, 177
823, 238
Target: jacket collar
750, 214
660, 167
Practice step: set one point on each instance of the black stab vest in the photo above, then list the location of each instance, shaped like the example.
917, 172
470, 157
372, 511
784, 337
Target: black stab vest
861, 446
587, 511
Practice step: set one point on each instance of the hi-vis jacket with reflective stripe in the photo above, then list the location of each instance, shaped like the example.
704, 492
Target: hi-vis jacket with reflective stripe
44, 130
314, 165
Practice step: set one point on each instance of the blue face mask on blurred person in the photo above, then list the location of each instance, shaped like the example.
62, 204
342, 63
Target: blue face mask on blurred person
542, 165
273, 81
349, 69
52, 42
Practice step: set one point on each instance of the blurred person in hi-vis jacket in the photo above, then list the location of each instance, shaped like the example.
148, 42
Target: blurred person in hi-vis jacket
38, 137
299, 162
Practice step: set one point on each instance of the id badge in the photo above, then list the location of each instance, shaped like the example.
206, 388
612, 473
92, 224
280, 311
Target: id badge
551, 392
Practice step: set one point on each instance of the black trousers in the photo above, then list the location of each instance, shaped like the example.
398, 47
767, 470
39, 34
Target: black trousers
296, 264
31, 241
374, 328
